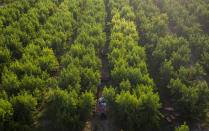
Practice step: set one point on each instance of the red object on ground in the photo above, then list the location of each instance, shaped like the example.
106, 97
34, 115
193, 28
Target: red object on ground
98, 108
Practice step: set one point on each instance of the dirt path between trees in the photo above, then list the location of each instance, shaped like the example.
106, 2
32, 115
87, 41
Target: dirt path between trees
105, 71
97, 123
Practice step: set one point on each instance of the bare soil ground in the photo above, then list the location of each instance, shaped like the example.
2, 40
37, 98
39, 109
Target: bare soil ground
99, 124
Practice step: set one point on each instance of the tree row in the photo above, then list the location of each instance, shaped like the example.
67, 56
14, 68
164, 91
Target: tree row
132, 97
74, 97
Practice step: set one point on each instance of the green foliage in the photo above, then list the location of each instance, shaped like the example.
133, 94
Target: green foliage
129, 70
26, 67
6, 113
47, 61
69, 76
71, 110
81, 64
170, 54
36, 86
181, 57
90, 80
127, 107
10, 82
20, 32
91, 34
65, 107
91, 30
3, 95
24, 106
31, 33
31, 83
134, 75
126, 58
87, 77
202, 14
42, 58
125, 86
86, 102
182, 128
82, 56
12, 42
139, 111
127, 13
4, 55
38, 36
166, 72
15, 9
109, 94
188, 75
199, 44
59, 29
151, 24
205, 61
192, 100
182, 21
174, 49
150, 105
